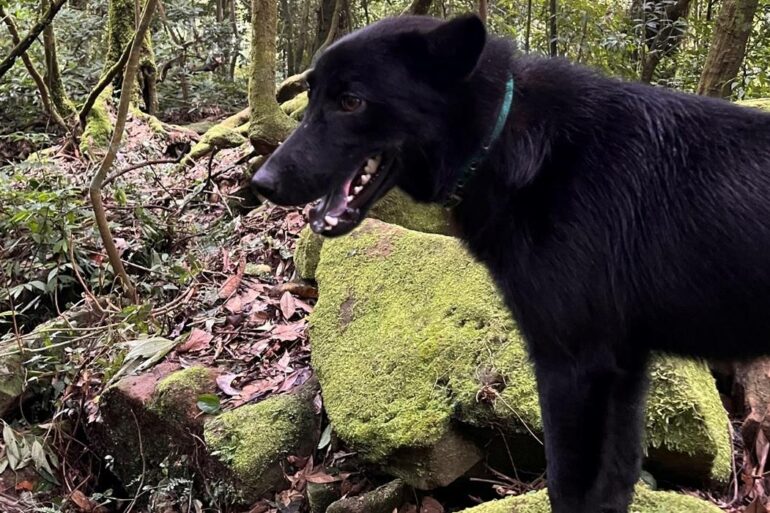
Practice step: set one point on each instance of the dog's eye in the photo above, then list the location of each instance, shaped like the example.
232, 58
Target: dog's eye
350, 103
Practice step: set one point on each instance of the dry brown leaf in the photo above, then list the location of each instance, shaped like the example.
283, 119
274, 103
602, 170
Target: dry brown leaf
197, 341
233, 282
24, 486
237, 303
288, 332
288, 307
224, 382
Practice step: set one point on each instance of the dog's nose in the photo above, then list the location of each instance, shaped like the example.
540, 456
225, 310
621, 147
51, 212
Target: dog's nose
265, 182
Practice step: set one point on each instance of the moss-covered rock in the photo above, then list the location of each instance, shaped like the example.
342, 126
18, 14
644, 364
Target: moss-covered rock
385, 499
687, 430
253, 441
140, 428
175, 396
408, 330
396, 207
645, 501
307, 253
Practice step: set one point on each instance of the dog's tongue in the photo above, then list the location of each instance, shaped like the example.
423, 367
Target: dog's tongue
334, 204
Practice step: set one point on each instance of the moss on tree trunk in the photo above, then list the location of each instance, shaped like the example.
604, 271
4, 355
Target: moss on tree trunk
269, 125
53, 76
121, 24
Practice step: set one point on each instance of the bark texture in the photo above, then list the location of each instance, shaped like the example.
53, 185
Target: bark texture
728, 48
269, 125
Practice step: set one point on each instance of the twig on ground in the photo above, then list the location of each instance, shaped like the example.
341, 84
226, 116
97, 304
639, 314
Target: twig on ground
111, 178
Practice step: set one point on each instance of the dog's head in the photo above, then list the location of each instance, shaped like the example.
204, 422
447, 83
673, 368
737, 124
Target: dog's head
378, 117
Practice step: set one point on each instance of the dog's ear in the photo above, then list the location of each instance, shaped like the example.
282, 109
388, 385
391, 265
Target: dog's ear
457, 45
449, 52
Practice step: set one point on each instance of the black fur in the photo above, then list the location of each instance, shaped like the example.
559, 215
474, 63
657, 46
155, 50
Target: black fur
616, 218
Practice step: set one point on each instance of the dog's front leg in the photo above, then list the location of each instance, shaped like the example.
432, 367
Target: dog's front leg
622, 451
575, 401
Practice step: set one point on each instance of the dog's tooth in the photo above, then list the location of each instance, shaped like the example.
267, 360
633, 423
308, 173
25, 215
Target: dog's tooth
371, 166
332, 221
349, 198
358, 189
365, 179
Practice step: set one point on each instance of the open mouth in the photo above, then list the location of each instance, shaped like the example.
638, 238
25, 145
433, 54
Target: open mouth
344, 208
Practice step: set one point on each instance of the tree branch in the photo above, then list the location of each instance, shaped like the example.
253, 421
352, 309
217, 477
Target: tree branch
25, 43
45, 97
104, 82
95, 189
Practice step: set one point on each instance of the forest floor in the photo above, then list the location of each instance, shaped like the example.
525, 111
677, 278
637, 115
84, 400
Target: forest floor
201, 263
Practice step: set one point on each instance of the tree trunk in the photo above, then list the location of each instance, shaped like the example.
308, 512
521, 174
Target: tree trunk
121, 24
269, 125
483, 10
666, 37
302, 63
728, 48
30, 38
419, 7
52, 74
528, 31
553, 35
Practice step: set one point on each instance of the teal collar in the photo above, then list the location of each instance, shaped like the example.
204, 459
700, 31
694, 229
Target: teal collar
470, 168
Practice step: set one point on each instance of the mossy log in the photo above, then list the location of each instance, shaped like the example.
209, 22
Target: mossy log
230, 133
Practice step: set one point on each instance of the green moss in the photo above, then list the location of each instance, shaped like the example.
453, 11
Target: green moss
308, 253
98, 131
408, 329
398, 208
685, 414
252, 441
296, 107
176, 395
398, 349
645, 501
219, 137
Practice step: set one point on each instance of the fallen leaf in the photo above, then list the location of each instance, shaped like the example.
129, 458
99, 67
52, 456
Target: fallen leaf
197, 341
233, 282
224, 382
294, 379
288, 308
289, 332
283, 363
24, 486
321, 477
236, 304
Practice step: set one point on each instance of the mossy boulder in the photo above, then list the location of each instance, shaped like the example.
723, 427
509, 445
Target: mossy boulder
385, 499
175, 397
307, 253
645, 501
410, 335
394, 208
253, 441
149, 419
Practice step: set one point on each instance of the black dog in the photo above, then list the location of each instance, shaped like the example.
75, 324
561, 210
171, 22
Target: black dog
616, 218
